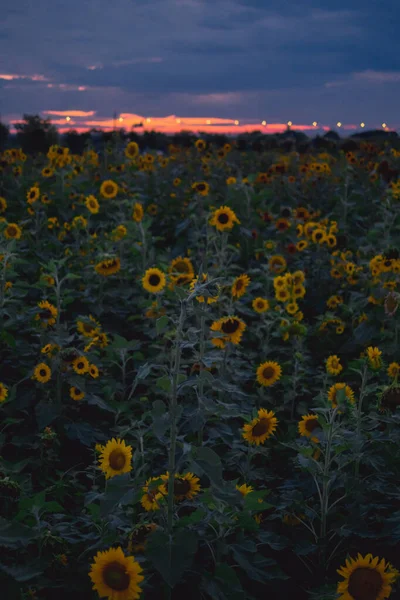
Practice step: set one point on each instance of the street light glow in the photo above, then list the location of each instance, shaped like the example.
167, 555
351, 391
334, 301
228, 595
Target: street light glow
289, 123
236, 122
315, 123
67, 118
339, 124
264, 123
362, 125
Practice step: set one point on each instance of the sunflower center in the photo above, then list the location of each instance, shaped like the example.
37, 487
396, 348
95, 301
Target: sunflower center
11, 230
260, 304
46, 314
117, 460
268, 372
201, 187
261, 427
365, 584
154, 280
116, 577
109, 189
181, 487
80, 365
239, 285
312, 424
181, 267
223, 218
42, 373
230, 326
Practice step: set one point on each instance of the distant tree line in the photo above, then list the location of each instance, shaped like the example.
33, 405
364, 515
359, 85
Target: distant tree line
36, 135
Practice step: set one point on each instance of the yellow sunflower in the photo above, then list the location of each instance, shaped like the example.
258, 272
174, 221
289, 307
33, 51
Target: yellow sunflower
109, 266
47, 172
116, 576
244, 489
154, 280
33, 194
318, 236
93, 371
282, 294
301, 245
374, 357
3, 392
366, 578
232, 329
116, 458
181, 266
138, 537
292, 308
92, 204
12, 231
277, 264
224, 218
200, 145
260, 305
80, 365
260, 428
209, 299
152, 497
76, 394
47, 315
333, 365
3, 204
109, 189
269, 373
42, 373
138, 213
186, 486
132, 150
239, 286
393, 370
337, 387
307, 425
201, 187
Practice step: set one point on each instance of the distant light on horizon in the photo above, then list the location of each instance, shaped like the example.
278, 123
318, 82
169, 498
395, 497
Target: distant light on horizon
264, 123
120, 119
236, 122
339, 124
208, 122
178, 120
289, 123
384, 125
315, 123
362, 124
148, 120
67, 118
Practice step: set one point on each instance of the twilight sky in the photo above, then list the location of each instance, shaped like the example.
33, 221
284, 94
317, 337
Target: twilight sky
231, 59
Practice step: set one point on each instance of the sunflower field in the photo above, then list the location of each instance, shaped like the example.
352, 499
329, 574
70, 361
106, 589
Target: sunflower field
200, 373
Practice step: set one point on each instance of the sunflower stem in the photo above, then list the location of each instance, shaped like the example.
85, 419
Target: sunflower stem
364, 378
201, 378
174, 416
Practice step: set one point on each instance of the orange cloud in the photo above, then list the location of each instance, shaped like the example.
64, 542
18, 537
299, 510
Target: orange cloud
11, 77
70, 113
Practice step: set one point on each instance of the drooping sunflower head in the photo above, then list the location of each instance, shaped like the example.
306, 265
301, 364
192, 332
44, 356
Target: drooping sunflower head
374, 357
138, 213
116, 576
181, 266
309, 425
152, 498
139, 536
239, 286
260, 428
231, 328
366, 578
116, 458
154, 280
47, 314
333, 365
269, 373
224, 218
108, 267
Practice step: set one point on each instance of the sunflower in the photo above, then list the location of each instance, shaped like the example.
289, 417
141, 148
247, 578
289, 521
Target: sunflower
12, 231
201, 187
260, 428
268, 373
186, 486
109, 189
231, 181
47, 172
3, 392
318, 236
33, 194
176, 182
90, 329
239, 286
152, 497
76, 394
93, 371
260, 305
137, 214
224, 218
116, 458
393, 370
209, 299
80, 365
48, 314
282, 294
154, 280
277, 264
307, 425
152, 209
200, 145
282, 224
244, 489
42, 373
138, 537
3, 204
116, 576
181, 266
333, 365
292, 308
374, 357
337, 387
92, 204
301, 245
366, 578
132, 150
232, 329
109, 266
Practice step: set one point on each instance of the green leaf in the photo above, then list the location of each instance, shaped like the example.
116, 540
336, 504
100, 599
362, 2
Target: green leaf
164, 383
209, 463
161, 324
171, 555
120, 491
15, 535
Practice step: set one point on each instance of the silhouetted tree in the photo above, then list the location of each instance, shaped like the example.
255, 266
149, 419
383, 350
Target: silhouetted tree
36, 134
75, 141
4, 132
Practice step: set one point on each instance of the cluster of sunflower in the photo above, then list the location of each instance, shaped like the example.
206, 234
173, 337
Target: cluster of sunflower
288, 289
